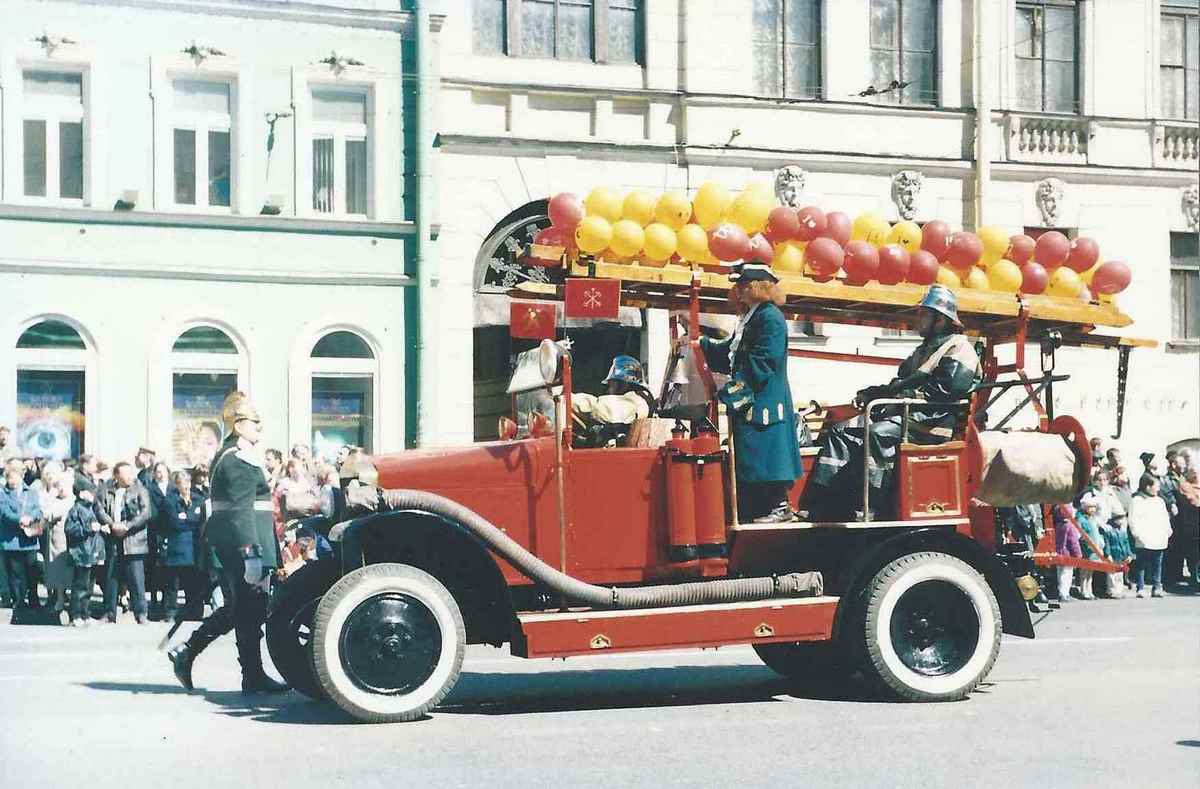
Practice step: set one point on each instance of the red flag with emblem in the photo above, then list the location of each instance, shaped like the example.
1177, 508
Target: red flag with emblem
531, 321
593, 298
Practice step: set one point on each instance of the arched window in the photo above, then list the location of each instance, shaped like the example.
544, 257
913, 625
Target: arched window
52, 360
344, 371
206, 365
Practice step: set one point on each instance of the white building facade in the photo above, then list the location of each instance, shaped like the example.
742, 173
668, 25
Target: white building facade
197, 197
1095, 100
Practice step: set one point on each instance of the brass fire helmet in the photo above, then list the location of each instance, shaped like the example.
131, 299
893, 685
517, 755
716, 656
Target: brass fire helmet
1028, 586
237, 406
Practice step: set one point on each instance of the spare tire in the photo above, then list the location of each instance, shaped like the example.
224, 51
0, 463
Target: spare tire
290, 624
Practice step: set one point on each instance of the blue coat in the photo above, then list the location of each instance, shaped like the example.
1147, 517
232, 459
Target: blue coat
85, 546
758, 398
182, 524
14, 504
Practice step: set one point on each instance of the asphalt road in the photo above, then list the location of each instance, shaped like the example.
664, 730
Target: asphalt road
1107, 695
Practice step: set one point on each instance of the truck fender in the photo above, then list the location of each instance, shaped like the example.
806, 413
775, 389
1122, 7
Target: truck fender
1014, 612
442, 548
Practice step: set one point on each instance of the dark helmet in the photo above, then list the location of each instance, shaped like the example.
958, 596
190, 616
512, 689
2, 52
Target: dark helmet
941, 300
627, 370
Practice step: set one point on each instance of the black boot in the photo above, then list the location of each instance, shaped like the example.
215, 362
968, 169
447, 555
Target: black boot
254, 678
185, 654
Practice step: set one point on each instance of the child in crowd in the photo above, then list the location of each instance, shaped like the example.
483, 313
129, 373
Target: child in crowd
1066, 543
1088, 519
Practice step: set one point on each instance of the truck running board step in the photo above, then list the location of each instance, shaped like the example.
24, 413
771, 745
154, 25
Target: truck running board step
590, 631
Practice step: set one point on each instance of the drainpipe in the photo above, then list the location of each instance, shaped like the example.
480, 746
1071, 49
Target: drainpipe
426, 269
983, 117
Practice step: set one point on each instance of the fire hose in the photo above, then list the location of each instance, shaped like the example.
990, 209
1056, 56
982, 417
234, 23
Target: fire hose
733, 590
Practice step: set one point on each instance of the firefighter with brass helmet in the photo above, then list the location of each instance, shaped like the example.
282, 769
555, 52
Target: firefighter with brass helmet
240, 530
606, 418
943, 368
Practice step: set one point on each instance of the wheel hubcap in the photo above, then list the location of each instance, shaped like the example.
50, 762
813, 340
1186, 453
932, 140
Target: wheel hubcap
935, 628
390, 644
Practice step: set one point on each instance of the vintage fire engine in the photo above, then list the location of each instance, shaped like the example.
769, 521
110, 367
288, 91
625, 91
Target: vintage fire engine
558, 550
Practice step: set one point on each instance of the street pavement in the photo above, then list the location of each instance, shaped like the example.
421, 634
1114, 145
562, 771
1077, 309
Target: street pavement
1107, 695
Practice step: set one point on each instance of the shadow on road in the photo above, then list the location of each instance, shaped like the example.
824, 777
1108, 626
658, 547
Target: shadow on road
290, 707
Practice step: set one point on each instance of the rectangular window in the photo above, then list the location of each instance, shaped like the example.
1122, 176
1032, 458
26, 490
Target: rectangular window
343, 410
202, 119
904, 51
787, 48
196, 400
340, 155
1047, 47
1179, 61
601, 31
52, 134
50, 417
1185, 286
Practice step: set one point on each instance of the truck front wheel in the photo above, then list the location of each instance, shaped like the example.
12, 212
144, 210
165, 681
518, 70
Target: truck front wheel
932, 627
388, 643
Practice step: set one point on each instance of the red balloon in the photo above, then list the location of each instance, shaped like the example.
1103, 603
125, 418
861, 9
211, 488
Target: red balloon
555, 236
782, 224
922, 267
566, 210
861, 262
728, 242
761, 249
1020, 249
935, 238
1034, 278
1051, 249
813, 223
964, 250
823, 256
837, 227
1112, 277
1083, 255
893, 264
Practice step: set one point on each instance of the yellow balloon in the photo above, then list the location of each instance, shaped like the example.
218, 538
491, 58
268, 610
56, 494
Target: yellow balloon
995, 244
604, 202
907, 234
947, 277
710, 204
750, 210
639, 206
761, 187
593, 234
872, 228
789, 257
627, 238
1004, 276
660, 242
692, 243
673, 210
976, 279
1064, 283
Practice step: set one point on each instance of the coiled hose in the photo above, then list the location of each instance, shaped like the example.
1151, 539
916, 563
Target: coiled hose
732, 590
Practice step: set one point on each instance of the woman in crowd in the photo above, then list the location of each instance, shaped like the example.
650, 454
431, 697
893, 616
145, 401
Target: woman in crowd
85, 547
185, 515
56, 499
1112, 520
1150, 526
156, 574
1066, 543
297, 494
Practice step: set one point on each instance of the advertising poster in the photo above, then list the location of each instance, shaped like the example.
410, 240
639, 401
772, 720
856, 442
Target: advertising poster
341, 415
196, 416
50, 413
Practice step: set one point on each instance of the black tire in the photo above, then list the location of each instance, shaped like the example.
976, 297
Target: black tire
931, 628
388, 643
802, 660
290, 625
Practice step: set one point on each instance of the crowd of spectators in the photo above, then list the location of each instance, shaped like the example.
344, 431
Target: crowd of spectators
135, 531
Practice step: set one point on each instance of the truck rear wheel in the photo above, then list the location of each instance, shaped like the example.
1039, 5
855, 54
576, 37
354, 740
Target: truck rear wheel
289, 627
388, 643
932, 627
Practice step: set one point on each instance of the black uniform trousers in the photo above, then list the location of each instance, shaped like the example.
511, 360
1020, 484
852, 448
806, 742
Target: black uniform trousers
20, 567
244, 612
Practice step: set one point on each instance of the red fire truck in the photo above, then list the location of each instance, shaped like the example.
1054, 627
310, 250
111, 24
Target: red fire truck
560, 550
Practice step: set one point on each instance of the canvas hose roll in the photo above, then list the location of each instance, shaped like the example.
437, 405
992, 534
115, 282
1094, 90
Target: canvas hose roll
733, 590
1027, 468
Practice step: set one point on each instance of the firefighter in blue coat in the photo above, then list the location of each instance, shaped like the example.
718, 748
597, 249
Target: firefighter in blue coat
757, 398
241, 531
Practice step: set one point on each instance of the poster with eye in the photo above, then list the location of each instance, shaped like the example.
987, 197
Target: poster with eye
50, 418
196, 415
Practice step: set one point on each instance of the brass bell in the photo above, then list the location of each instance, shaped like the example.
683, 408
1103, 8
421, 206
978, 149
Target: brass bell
1028, 586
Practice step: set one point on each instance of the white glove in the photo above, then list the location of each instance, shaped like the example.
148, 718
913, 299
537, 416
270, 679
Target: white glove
253, 569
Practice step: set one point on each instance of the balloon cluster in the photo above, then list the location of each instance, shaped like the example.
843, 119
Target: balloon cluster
717, 227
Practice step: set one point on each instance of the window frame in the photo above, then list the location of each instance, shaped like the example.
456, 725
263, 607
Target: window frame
201, 124
345, 367
341, 132
600, 40
72, 360
1184, 13
201, 363
884, 98
1192, 268
781, 45
54, 113
1077, 79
